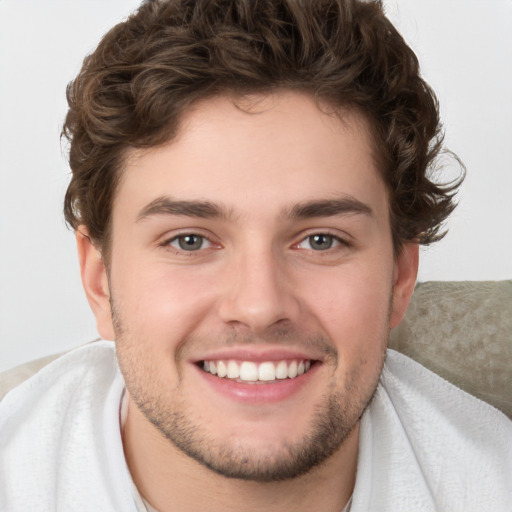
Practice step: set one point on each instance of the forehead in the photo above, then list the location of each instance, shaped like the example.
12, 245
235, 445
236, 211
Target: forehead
280, 148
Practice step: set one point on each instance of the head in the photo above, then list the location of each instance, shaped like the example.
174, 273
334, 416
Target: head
134, 89
253, 178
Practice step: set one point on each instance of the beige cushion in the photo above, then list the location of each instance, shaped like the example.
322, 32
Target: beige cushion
463, 332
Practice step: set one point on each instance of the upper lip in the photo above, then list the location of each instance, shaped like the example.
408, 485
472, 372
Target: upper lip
259, 354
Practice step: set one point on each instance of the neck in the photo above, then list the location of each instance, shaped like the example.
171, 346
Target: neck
170, 480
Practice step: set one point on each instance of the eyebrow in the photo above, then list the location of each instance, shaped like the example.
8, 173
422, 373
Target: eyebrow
329, 208
168, 206
207, 210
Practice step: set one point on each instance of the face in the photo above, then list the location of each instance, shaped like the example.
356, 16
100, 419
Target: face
253, 284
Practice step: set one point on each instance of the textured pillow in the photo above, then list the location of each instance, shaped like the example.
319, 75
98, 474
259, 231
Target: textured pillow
463, 332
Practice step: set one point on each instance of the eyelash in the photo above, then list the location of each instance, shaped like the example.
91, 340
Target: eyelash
168, 243
339, 243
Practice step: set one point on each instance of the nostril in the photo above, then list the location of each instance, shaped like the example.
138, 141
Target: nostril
260, 315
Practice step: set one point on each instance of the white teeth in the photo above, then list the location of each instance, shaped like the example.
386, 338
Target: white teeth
233, 370
221, 369
249, 371
292, 370
281, 370
267, 371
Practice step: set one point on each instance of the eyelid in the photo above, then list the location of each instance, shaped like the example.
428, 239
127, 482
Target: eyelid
166, 240
176, 239
343, 240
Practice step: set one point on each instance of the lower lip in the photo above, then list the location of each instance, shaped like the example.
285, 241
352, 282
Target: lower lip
259, 392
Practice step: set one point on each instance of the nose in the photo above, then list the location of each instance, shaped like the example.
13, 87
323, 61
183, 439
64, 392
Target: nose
258, 293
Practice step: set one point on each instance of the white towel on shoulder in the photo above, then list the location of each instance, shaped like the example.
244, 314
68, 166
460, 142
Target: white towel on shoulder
60, 441
425, 446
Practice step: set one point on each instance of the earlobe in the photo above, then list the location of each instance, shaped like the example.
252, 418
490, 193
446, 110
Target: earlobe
404, 280
95, 282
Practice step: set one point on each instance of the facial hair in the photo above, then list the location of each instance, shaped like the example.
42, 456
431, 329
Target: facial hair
335, 415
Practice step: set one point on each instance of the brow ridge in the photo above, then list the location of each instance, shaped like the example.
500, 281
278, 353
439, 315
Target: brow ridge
329, 208
205, 209
167, 206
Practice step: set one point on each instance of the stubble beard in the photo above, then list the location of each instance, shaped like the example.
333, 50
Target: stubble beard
335, 416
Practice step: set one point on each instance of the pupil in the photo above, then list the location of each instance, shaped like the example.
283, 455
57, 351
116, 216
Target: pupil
190, 242
321, 242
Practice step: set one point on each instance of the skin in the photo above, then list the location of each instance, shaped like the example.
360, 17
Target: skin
257, 285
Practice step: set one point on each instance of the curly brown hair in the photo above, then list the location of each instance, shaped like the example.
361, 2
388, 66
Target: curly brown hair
146, 71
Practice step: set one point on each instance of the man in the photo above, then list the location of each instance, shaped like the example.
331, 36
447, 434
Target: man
250, 186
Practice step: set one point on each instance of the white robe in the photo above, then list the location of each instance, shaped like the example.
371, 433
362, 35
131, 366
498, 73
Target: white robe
424, 444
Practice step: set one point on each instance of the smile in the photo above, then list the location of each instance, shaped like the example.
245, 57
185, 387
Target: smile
249, 371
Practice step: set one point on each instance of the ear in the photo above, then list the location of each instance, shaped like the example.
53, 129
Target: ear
404, 279
95, 282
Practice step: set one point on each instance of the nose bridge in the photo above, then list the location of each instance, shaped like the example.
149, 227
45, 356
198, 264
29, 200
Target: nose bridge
258, 292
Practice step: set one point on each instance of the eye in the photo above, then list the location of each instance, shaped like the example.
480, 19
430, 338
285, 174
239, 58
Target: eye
189, 242
319, 242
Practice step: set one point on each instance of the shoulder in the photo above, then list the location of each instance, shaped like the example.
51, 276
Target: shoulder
60, 431
56, 365
414, 388
439, 448
13, 377
55, 381
441, 416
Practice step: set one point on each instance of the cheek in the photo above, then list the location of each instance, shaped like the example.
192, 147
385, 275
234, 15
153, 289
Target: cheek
353, 307
160, 302
357, 319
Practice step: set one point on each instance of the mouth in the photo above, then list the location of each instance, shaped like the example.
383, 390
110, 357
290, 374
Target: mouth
251, 372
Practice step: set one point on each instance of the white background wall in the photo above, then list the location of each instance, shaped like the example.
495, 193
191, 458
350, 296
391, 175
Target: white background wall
465, 47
